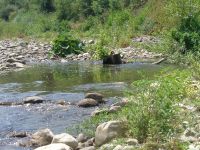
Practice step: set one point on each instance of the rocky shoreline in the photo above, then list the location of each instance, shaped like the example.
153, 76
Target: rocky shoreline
19, 53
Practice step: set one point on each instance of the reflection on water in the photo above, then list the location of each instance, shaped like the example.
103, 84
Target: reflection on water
68, 82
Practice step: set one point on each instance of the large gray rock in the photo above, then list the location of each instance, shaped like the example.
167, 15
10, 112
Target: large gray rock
65, 139
96, 96
57, 146
88, 102
109, 130
33, 100
42, 137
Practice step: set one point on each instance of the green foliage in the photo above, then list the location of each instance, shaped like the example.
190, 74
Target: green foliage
188, 34
5, 12
154, 114
65, 44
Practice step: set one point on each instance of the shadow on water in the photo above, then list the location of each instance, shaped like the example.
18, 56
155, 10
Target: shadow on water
68, 82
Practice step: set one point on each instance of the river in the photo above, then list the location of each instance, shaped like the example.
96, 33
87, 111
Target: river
55, 82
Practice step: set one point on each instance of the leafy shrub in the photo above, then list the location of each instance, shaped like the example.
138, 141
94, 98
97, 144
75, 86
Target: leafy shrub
65, 44
100, 52
152, 115
188, 34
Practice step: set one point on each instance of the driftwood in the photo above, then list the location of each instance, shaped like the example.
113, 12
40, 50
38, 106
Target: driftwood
112, 59
159, 61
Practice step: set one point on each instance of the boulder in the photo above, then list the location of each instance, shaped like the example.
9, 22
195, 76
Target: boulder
96, 96
109, 130
88, 102
56, 146
42, 137
33, 100
66, 139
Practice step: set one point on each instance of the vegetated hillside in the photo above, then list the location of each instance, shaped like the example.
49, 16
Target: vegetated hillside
114, 22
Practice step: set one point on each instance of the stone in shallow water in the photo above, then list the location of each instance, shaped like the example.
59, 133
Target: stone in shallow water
96, 96
88, 102
33, 100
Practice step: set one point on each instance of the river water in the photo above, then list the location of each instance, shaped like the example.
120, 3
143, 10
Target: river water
56, 82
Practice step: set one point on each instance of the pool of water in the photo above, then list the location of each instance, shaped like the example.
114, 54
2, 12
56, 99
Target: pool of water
56, 82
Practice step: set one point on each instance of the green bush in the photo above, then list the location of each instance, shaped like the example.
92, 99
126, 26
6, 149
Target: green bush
188, 34
153, 114
65, 44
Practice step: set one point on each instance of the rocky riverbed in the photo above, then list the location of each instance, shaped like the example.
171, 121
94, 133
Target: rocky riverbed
19, 53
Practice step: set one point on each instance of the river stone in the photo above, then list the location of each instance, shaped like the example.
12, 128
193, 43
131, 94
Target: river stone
82, 138
107, 147
118, 147
33, 100
109, 130
56, 146
88, 148
18, 134
114, 109
18, 65
89, 142
88, 102
96, 96
132, 141
65, 139
122, 103
11, 60
42, 137
98, 111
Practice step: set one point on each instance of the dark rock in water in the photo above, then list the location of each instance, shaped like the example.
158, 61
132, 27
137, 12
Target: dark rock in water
6, 103
33, 100
112, 59
96, 96
89, 102
18, 134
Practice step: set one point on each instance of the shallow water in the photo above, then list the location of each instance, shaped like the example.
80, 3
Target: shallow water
67, 82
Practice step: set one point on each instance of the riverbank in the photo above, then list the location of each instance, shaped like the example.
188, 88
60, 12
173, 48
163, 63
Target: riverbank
19, 53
